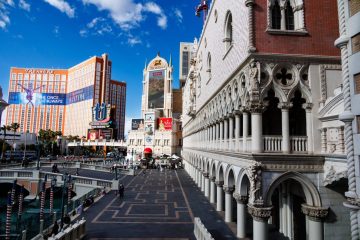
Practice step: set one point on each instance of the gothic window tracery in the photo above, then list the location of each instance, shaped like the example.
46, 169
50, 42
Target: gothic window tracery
287, 15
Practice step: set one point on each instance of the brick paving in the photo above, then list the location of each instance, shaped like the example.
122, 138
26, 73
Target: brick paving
156, 205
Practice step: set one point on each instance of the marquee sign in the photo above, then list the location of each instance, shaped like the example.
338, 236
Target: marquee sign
37, 99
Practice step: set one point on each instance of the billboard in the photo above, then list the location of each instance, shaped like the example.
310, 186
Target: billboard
95, 134
156, 89
149, 128
37, 98
137, 124
165, 124
80, 95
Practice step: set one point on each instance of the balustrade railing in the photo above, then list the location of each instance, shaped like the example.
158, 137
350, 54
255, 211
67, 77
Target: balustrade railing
298, 143
272, 143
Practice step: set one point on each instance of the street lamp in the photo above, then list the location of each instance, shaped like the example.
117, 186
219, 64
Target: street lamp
66, 179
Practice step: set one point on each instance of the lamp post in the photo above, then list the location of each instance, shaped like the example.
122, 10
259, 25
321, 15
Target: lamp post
65, 180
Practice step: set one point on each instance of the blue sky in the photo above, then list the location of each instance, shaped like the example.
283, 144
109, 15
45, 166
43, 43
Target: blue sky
62, 33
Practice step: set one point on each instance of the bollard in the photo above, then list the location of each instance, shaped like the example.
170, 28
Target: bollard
54, 217
41, 226
23, 235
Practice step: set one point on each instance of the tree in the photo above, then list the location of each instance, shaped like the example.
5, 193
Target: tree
14, 127
4, 128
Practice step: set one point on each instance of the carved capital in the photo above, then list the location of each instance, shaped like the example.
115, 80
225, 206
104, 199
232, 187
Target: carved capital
228, 189
260, 213
307, 106
314, 213
256, 108
354, 202
206, 175
219, 183
284, 105
240, 199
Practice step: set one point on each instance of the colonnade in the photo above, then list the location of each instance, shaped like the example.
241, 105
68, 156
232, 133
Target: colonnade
222, 197
226, 133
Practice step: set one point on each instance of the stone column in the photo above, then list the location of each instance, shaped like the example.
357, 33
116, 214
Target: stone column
309, 129
219, 196
260, 216
203, 181
315, 216
237, 132
283, 25
201, 177
212, 190
250, 5
231, 133
285, 127
257, 142
226, 134
228, 203
245, 130
241, 215
221, 137
323, 140
207, 185
341, 144
217, 141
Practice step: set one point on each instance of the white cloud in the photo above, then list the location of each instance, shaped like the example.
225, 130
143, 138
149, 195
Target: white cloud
162, 22
132, 41
24, 5
127, 13
178, 15
62, 6
97, 26
4, 14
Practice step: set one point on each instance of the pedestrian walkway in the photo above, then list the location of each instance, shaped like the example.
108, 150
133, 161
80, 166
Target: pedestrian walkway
156, 205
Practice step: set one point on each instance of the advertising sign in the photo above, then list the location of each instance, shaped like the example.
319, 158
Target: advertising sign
137, 124
149, 116
149, 140
80, 95
96, 134
149, 128
165, 124
93, 134
156, 89
37, 98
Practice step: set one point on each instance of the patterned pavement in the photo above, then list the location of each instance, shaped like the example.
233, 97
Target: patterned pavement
156, 205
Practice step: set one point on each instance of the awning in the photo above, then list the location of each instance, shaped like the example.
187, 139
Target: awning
147, 150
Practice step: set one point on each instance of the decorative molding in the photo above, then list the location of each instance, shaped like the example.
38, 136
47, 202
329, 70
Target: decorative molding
260, 213
333, 176
323, 85
314, 213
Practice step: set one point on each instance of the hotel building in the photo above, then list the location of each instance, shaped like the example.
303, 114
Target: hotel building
159, 130
62, 99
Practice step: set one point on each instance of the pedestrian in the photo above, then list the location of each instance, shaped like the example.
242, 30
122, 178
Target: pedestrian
79, 209
121, 190
144, 171
55, 229
77, 171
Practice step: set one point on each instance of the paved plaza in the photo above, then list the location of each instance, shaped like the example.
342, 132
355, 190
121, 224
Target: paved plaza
156, 205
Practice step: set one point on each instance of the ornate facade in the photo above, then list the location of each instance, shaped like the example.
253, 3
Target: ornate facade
261, 129
349, 44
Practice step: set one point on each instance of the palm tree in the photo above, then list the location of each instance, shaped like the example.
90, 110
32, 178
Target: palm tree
4, 129
14, 127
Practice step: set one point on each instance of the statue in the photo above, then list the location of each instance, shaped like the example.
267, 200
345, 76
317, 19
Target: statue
254, 173
29, 93
254, 72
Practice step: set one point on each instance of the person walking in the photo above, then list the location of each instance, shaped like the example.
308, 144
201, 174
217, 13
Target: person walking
121, 190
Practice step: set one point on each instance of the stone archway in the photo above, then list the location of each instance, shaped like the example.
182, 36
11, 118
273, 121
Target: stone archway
297, 208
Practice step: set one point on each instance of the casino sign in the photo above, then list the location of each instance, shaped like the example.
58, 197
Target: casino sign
101, 117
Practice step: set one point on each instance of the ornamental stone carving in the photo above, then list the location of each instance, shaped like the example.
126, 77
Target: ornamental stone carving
260, 213
228, 189
314, 213
240, 199
354, 201
212, 179
219, 183
254, 173
206, 174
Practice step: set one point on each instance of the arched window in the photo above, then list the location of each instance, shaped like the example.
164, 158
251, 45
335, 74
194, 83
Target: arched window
276, 16
289, 16
228, 32
208, 70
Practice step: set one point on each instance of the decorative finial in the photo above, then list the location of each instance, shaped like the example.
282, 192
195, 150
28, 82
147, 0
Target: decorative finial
158, 54
170, 61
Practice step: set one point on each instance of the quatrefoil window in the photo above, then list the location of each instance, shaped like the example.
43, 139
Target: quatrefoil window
284, 76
